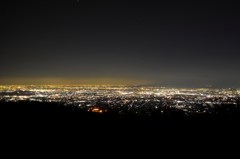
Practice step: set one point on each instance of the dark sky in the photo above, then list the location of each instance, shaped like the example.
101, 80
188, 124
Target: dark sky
171, 43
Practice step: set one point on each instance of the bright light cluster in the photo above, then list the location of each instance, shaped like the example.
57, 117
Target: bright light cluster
138, 99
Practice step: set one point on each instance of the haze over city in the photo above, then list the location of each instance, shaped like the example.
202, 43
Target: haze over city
167, 43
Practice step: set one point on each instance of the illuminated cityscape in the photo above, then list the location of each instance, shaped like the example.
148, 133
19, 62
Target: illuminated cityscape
142, 100
150, 76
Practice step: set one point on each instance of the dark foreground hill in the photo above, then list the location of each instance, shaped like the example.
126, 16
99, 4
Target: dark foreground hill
34, 114
57, 126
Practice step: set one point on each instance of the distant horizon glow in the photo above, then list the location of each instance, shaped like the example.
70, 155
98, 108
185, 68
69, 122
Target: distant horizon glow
164, 43
34, 81
72, 81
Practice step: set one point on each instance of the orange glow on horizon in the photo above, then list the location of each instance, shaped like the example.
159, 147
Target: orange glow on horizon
71, 81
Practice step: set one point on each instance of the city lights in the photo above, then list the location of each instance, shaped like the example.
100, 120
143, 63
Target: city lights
124, 99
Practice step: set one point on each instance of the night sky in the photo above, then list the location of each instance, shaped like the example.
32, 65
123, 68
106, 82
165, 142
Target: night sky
171, 43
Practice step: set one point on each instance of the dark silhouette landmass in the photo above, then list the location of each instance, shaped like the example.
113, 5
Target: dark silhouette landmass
47, 114
61, 125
